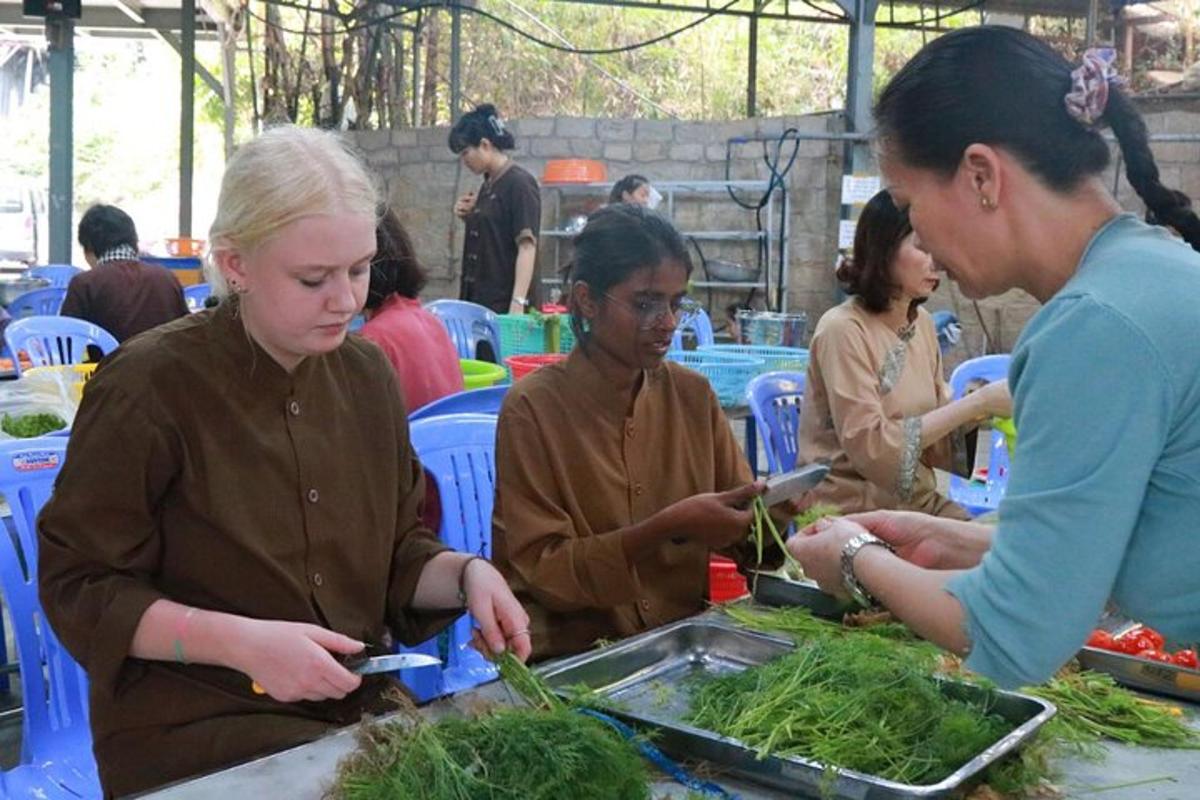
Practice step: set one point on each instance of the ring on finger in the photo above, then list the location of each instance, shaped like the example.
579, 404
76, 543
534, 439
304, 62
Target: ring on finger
514, 635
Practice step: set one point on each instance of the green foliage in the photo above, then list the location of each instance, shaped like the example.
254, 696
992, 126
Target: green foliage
26, 426
507, 754
855, 703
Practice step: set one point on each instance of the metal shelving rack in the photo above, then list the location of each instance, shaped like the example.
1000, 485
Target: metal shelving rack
673, 189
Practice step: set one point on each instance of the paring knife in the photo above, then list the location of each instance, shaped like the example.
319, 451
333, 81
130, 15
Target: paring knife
367, 666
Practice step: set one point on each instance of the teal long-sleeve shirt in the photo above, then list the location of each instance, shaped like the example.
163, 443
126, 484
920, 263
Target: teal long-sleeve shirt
1104, 492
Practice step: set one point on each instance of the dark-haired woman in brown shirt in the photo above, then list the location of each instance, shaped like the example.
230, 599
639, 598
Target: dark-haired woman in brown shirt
617, 472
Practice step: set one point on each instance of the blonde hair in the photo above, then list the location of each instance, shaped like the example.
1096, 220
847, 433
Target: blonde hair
283, 175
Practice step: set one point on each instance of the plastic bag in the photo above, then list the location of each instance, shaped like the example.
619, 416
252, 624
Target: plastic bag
40, 392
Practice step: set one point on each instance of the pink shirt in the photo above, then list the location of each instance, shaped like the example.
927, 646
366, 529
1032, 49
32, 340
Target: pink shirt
419, 348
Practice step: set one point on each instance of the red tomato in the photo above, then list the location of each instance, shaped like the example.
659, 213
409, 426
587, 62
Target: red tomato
1152, 654
1133, 644
1101, 639
1154, 636
1186, 658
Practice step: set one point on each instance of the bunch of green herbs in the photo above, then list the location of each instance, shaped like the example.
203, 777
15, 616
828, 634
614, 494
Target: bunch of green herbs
27, 426
856, 703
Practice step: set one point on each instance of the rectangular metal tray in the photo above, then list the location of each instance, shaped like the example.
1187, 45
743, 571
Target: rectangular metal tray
1151, 676
647, 679
773, 590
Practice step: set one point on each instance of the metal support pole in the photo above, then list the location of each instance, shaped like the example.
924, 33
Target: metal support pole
1093, 20
752, 72
60, 35
860, 72
455, 63
187, 99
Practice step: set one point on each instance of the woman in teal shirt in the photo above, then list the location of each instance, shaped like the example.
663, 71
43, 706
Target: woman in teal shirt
992, 143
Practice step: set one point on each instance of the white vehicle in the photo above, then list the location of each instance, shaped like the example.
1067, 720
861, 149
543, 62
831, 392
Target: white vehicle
23, 226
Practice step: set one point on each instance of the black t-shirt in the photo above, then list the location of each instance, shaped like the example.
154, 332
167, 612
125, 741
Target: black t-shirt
508, 210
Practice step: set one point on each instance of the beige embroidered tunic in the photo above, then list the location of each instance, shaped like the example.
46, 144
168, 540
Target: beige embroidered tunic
866, 390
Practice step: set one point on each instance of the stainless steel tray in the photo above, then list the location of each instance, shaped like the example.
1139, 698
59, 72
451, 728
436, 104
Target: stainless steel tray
1152, 676
647, 679
773, 590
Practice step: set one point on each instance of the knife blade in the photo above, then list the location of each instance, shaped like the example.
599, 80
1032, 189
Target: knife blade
370, 665
389, 663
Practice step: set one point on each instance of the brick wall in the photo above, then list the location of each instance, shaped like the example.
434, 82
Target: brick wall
422, 178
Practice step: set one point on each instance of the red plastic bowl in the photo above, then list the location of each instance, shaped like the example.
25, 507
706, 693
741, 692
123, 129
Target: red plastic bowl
523, 365
574, 170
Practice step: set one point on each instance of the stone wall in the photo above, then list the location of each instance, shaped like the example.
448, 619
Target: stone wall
422, 178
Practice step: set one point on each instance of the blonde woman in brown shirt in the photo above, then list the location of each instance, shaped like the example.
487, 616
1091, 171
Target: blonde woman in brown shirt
617, 473
876, 405
240, 500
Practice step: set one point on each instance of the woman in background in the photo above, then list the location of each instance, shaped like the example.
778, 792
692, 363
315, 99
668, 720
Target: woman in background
876, 404
503, 217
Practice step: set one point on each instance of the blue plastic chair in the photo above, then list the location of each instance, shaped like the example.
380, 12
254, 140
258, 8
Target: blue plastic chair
56, 757
475, 401
980, 498
468, 324
195, 296
53, 341
775, 399
697, 323
59, 275
459, 452
40, 302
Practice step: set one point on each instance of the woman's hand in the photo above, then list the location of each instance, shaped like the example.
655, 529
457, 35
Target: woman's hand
503, 623
994, 399
464, 205
818, 548
516, 306
928, 541
718, 519
293, 661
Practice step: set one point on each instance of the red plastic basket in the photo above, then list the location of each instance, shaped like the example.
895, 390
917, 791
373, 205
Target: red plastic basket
523, 365
725, 583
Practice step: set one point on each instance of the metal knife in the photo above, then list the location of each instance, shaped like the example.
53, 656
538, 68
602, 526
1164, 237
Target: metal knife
367, 666
794, 483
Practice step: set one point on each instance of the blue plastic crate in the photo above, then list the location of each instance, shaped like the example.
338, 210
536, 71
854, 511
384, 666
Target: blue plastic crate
728, 373
775, 359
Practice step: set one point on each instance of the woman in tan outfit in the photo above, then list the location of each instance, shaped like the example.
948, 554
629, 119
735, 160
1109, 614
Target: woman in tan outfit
876, 404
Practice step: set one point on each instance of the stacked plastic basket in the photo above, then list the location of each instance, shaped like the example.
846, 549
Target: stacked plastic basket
728, 373
775, 359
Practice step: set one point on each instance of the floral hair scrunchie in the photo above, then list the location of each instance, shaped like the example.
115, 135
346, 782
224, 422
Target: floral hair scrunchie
1089, 85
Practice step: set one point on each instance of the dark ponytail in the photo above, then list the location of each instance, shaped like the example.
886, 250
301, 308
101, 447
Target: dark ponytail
475, 126
1164, 206
1004, 87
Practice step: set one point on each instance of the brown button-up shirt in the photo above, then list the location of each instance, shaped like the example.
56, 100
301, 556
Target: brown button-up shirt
200, 471
508, 211
572, 469
125, 297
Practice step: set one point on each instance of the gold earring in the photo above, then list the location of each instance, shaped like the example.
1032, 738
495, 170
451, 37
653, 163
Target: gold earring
986, 202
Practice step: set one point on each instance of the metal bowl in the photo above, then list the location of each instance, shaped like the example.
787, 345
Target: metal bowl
11, 290
730, 271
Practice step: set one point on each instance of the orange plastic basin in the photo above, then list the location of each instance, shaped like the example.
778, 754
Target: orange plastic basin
574, 170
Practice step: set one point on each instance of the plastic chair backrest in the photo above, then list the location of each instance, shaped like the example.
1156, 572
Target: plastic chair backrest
459, 452
59, 275
475, 401
975, 497
698, 323
195, 296
40, 302
775, 399
53, 341
468, 324
53, 685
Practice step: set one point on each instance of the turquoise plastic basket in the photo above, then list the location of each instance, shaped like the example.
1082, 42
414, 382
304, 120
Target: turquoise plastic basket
775, 359
566, 337
728, 373
521, 334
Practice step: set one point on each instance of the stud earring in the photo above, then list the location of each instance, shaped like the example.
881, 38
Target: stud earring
986, 202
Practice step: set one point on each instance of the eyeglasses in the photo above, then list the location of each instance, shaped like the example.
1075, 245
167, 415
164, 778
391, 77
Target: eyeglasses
653, 313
